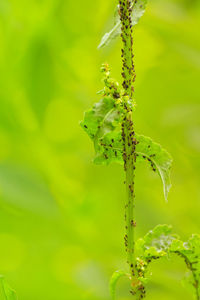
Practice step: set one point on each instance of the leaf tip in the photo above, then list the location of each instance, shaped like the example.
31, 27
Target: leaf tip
166, 191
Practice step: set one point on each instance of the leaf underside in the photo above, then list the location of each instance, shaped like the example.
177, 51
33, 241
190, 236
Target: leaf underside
138, 11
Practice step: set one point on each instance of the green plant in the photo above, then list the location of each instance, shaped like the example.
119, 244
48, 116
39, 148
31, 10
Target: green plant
109, 123
6, 293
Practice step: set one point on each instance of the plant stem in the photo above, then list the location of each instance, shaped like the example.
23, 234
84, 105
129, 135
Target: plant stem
129, 142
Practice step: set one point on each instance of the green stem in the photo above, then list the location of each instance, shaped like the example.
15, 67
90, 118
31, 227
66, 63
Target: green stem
129, 142
129, 166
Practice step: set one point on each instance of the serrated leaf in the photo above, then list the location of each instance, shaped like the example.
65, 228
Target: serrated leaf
157, 242
177, 245
113, 281
6, 293
138, 11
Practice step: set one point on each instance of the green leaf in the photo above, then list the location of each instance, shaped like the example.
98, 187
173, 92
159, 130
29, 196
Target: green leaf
158, 157
113, 281
110, 149
157, 242
177, 246
103, 118
6, 293
138, 11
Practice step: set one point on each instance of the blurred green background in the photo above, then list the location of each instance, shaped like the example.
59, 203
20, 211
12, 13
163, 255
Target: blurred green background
61, 217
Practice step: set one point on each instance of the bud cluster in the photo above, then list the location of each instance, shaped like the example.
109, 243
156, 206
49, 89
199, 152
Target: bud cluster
112, 87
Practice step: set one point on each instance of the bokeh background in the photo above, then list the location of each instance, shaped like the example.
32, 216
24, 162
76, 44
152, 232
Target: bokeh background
61, 217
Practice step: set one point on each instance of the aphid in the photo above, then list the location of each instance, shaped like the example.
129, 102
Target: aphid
124, 156
85, 126
133, 223
116, 95
132, 292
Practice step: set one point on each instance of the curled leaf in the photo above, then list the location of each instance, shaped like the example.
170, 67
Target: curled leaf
159, 158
